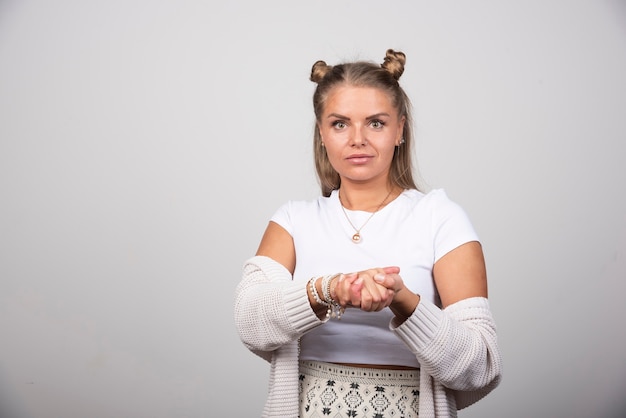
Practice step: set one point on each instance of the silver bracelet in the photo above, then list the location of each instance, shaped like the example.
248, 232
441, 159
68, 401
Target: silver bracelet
335, 309
326, 287
314, 292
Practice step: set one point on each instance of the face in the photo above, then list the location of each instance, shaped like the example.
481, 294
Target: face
360, 130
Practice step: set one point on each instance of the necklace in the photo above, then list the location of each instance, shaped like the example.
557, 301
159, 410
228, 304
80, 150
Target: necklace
356, 238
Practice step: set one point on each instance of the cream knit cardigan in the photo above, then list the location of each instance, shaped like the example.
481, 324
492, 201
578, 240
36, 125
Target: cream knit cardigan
456, 347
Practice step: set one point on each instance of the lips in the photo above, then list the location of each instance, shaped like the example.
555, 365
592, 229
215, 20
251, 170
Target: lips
359, 158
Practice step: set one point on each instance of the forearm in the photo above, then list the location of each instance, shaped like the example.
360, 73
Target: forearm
270, 309
457, 346
404, 304
319, 297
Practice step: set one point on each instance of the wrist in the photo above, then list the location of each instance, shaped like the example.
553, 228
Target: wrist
404, 304
319, 291
329, 285
330, 297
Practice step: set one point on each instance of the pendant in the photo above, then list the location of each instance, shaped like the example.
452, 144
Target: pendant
356, 238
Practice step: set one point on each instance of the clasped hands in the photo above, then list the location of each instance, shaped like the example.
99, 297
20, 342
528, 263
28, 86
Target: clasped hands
369, 290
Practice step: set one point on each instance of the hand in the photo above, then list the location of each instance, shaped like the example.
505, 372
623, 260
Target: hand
390, 279
370, 290
404, 301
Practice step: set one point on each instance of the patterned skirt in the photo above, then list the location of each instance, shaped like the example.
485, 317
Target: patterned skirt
331, 390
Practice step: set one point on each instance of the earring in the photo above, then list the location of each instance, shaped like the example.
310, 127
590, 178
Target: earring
401, 141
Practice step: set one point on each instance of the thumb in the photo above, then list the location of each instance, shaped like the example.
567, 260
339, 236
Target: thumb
381, 278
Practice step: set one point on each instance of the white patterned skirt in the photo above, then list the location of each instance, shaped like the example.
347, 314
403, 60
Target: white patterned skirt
331, 390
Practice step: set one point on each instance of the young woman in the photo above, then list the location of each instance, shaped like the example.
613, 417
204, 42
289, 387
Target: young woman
370, 301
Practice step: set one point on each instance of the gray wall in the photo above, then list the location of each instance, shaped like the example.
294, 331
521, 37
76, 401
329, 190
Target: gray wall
145, 144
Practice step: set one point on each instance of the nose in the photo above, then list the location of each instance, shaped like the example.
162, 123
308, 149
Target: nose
358, 139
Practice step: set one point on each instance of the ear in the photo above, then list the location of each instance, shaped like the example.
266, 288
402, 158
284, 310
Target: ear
401, 123
319, 131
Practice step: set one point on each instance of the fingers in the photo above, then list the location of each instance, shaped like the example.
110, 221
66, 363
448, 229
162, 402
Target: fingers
373, 296
370, 290
388, 281
391, 270
376, 294
348, 290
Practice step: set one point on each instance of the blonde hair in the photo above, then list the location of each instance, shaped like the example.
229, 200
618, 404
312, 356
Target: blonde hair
364, 74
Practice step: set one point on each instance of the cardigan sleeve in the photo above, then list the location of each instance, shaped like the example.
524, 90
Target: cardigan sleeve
270, 309
457, 346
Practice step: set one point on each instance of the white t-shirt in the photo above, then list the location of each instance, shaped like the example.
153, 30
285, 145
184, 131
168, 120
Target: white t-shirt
411, 232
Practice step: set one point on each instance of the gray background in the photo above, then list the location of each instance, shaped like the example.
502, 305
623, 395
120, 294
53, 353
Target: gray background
145, 144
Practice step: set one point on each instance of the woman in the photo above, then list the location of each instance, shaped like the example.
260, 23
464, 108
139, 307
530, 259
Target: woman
372, 299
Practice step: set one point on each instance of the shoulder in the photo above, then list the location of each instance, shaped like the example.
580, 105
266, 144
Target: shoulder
437, 197
295, 206
433, 199
293, 210
439, 209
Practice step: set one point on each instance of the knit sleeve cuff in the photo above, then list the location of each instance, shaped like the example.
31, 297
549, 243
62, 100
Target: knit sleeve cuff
419, 329
298, 309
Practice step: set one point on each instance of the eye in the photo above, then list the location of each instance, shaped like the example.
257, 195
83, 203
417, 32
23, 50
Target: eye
377, 124
339, 124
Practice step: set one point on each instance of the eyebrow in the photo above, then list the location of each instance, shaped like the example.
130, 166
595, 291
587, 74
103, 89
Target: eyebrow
338, 116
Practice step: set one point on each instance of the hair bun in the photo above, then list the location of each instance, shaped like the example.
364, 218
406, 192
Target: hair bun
394, 63
319, 70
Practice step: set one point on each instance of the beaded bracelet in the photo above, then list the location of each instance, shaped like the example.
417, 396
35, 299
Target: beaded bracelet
316, 296
326, 287
314, 292
337, 310
334, 310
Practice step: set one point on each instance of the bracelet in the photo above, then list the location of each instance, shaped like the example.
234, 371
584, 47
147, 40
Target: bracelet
314, 292
316, 296
326, 287
335, 310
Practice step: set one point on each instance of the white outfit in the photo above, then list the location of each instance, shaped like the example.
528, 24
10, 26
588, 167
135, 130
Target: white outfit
456, 348
412, 232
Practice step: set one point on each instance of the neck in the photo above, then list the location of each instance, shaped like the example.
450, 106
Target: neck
368, 199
